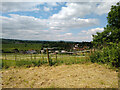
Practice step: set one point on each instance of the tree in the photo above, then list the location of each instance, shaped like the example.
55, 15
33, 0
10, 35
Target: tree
111, 32
109, 40
114, 16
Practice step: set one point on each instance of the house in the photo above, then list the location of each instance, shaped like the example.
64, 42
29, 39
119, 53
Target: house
31, 52
63, 51
76, 47
85, 47
70, 53
49, 51
56, 51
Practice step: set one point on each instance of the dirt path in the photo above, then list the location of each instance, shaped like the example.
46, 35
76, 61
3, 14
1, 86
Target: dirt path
63, 76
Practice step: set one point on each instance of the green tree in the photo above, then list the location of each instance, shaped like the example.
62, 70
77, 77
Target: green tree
114, 16
111, 32
109, 40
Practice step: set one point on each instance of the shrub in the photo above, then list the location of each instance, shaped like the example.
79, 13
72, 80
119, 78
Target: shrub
109, 54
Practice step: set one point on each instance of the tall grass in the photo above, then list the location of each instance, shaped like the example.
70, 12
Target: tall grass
28, 62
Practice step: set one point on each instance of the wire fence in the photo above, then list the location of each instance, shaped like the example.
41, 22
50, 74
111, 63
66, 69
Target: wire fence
39, 59
37, 56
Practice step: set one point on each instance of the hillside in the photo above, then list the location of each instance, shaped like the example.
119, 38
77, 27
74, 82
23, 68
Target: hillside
9, 44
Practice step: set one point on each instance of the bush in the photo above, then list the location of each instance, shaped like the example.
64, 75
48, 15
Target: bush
109, 54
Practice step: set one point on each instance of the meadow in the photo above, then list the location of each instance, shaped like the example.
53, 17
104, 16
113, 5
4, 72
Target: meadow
23, 46
29, 60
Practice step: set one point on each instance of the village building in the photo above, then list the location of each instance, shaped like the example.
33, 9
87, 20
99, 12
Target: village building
56, 51
31, 52
63, 51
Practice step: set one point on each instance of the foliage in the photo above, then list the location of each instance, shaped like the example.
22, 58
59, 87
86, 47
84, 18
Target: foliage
108, 41
109, 55
114, 16
111, 32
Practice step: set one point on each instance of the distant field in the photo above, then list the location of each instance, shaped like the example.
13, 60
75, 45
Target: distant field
10, 47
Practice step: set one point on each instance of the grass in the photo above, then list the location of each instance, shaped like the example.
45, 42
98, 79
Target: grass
62, 76
8, 63
12, 63
28, 60
10, 47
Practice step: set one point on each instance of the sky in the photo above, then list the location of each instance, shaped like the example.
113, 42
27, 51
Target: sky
53, 21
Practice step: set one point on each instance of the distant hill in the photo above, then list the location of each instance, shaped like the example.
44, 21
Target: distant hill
10, 44
8, 41
31, 41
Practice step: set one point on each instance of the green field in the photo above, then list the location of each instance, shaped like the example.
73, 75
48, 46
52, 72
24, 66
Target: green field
10, 47
29, 60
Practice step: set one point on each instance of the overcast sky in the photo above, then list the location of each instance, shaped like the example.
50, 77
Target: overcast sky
68, 21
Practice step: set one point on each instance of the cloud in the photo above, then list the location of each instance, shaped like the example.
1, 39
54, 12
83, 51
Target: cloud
104, 7
52, 3
57, 26
92, 31
72, 23
25, 6
64, 35
28, 27
15, 22
22, 22
46, 9
81, 9
89, 32
72, 10
72, 37
19, 6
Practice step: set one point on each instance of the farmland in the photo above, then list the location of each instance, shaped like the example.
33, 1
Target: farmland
36, 71
10, 47
14, 53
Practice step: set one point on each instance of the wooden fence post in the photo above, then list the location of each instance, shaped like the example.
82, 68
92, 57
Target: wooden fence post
42, 57
15, 57
90, 51
56, 57
5, 57
34, 57
20, 56
31, 56
75, 59
94, 49
48, 56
